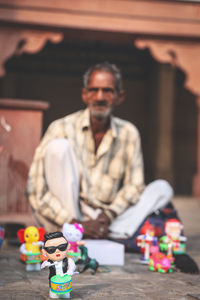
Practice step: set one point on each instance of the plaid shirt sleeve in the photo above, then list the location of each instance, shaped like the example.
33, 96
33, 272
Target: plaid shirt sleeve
133, 183
40, 198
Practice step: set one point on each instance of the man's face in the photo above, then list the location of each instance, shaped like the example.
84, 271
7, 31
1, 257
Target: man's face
101, 95
57, 255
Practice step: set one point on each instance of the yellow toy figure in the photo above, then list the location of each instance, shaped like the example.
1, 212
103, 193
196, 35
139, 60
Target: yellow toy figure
31, 239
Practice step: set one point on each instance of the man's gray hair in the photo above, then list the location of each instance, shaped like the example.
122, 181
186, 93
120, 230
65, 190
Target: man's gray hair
105, 66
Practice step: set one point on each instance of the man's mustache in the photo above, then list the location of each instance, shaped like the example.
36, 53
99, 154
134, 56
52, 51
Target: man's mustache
100, 103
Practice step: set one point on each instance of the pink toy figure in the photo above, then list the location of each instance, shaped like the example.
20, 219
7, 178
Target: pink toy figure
60, 266
147, 241
31, 239
73, 233
172, 242
161, 263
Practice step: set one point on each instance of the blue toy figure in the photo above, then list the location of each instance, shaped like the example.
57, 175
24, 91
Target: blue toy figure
2, 233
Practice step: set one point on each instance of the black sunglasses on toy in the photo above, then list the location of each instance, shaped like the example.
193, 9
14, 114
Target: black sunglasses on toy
52, 249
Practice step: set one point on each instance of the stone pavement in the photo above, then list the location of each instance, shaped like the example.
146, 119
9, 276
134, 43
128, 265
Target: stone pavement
132, 281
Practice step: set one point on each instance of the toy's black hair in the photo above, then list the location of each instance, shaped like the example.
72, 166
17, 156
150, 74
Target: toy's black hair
53, 235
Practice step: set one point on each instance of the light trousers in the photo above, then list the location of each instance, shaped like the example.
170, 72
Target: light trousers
62, 175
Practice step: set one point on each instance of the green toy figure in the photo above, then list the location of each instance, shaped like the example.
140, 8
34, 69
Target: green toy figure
173, 242
85, 262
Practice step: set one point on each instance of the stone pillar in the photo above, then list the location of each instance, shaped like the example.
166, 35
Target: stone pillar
165, 111
196, 179
186, 56
20, 133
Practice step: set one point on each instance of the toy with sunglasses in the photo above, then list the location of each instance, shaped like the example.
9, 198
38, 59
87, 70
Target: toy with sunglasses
32, 240
61, 268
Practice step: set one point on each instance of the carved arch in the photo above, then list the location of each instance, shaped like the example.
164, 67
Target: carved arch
185, 55
32, 41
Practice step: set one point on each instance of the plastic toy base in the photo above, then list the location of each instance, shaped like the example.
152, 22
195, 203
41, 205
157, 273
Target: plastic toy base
160, 270
33, 267
178, 252
74, 254
60, 296
144, 261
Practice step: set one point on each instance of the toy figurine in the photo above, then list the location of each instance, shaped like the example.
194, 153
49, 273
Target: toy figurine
161, 263
2, 233
60, 266
73, 233
147, 241
31, 239
85, 262
173, 242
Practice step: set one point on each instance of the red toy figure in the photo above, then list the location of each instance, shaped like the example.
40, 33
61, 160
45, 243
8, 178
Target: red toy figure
173, 242
31, 239
147, 241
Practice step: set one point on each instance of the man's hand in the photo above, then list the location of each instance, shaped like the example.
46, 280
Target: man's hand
95, 229
103, 219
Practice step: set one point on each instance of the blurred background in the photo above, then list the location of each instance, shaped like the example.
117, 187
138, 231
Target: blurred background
46, 46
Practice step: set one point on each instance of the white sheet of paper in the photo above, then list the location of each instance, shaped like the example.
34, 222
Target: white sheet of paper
106, 252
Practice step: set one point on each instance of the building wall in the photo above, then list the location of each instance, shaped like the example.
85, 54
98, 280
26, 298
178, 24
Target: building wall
55, 74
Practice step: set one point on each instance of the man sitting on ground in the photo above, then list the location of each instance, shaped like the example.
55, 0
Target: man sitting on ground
89, 166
